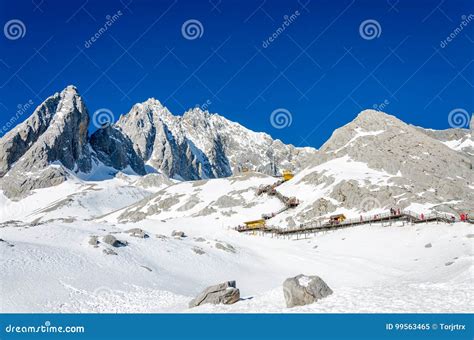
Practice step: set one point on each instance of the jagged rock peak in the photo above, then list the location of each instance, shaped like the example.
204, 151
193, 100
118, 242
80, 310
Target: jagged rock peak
56, 133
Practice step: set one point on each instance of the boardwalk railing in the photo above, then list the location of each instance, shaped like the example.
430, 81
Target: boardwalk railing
323, 224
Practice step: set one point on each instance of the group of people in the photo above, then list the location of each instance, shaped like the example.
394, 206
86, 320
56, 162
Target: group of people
397, 212
394, 211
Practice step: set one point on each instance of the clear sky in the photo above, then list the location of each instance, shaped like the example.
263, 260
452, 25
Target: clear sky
310, 59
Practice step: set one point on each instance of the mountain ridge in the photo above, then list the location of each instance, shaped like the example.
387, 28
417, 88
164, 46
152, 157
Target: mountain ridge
54, 143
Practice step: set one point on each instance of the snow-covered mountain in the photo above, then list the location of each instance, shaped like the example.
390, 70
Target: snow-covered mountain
378, 161
201, 145
53, 143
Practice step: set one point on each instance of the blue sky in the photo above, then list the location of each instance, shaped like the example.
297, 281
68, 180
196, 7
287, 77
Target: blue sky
322, 68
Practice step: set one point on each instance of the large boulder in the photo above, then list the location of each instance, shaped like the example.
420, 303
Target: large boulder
112, 240
225, 293
178, 233
303, 290
137, 232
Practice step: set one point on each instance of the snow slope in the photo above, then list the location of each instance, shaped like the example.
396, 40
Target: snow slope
78, 199
52, 268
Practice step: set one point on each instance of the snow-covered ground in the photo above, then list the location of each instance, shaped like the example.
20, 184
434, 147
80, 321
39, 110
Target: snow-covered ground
52, 268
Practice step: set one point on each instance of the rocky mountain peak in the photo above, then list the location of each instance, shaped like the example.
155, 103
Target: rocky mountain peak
144, 115
56, 133
375, 120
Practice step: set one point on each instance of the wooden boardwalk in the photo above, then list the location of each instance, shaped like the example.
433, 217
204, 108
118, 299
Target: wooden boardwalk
319, 225
323, 225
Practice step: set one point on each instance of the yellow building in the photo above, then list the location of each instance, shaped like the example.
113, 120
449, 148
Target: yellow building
337, 218
255, 224
287, 175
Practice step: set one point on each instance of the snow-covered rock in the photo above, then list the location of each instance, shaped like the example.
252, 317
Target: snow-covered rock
224, 293
303, 290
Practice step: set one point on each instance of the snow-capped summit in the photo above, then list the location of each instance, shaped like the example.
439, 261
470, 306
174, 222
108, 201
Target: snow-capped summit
199, 144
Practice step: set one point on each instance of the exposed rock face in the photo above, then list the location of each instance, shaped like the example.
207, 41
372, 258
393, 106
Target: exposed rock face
303, 290
460, 140
55, 133
198, 250
225, 293
225, 247
153, 181
114, 149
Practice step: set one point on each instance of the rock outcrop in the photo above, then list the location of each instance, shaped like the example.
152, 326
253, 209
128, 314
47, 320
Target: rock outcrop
225, 293
112, 240
114, 149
